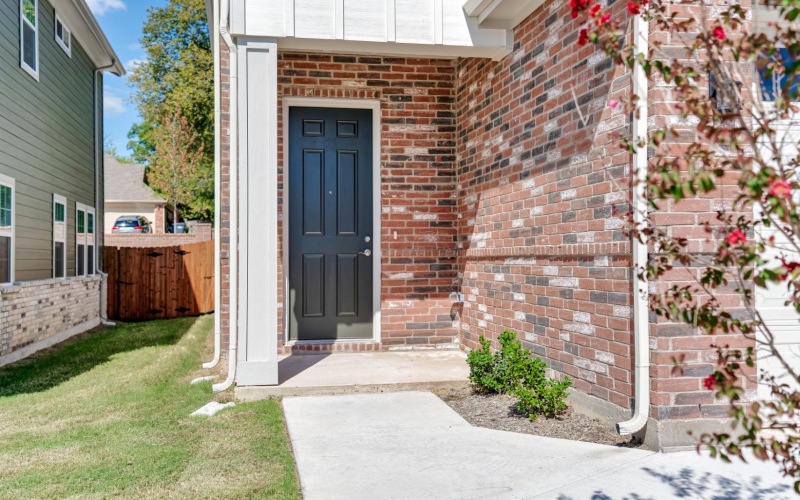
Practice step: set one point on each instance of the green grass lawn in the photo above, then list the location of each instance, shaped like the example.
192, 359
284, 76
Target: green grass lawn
107, 415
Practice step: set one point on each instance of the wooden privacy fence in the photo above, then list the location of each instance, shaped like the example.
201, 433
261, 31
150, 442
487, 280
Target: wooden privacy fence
160, 282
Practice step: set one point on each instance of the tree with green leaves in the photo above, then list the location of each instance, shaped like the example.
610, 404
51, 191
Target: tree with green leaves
177, 75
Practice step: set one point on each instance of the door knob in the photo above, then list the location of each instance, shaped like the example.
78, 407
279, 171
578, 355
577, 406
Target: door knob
366, 252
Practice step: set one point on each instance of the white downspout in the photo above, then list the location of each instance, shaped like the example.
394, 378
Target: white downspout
217, 191
233, 144
641, 325
98, 160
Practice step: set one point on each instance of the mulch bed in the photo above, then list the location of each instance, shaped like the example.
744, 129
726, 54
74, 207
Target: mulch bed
497, 411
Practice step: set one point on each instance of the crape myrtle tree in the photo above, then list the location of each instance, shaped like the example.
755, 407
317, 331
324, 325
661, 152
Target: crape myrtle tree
736, 82
178, 71
175, 165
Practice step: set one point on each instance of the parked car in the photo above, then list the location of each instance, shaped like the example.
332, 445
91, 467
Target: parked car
131, 224
179, 228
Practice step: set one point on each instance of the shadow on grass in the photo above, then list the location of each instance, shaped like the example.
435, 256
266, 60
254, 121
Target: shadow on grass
80, 354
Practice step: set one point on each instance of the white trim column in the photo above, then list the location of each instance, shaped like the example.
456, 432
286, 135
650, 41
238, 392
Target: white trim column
258, 212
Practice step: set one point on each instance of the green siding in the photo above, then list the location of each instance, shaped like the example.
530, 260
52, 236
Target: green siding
46, 138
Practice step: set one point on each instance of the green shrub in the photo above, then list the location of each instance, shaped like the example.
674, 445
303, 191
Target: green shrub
512, 370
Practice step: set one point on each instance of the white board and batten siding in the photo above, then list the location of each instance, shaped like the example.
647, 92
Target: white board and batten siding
410, 27
781, 319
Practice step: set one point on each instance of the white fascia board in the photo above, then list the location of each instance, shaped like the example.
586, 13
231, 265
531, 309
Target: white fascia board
501, 14
474, 8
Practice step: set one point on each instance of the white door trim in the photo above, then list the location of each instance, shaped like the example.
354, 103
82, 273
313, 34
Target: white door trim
324, 102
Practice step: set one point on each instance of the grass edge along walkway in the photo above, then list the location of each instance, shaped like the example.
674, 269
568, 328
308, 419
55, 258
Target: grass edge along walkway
107, 415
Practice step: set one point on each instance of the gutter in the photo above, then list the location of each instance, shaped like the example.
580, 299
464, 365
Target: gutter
641, 324
233, 168
212, 33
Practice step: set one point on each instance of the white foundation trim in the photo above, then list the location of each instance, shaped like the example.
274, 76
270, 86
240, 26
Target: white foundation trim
323, 102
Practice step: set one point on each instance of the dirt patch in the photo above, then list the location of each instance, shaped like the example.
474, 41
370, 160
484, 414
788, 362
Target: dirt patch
497, 411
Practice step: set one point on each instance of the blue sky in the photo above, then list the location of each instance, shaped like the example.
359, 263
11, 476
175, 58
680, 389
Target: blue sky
122, 22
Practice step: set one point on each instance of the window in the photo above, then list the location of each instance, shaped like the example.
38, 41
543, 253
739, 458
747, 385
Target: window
63, 36
90, 240
84, 240
80, 239
775, 83
29, 36
6, 229
59, 236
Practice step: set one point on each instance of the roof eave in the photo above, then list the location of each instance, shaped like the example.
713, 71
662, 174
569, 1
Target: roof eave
88, 32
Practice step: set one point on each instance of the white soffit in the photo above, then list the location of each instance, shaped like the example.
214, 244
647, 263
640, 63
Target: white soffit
500, 14
390, 49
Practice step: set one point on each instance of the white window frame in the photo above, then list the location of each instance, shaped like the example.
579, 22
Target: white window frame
91, 241
67, 47
80, 238
60, 234
9, 182
34, 72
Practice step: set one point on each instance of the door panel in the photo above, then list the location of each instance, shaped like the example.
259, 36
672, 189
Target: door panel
313, 285
347, 286
330, 224
313, 192
347, 185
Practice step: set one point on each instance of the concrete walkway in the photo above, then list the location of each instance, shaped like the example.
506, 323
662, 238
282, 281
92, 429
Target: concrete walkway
411, 445
341, 373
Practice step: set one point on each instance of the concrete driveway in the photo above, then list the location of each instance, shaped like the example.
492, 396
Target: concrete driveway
411, 445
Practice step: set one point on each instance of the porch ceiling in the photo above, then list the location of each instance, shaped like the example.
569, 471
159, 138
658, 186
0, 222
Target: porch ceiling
391, 49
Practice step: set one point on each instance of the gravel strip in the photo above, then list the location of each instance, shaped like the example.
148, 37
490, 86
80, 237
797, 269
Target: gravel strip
497, 411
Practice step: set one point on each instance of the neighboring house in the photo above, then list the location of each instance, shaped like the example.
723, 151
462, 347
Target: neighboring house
51, 108
127, 194
393, 158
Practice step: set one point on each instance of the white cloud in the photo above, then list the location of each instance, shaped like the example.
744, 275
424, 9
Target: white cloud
113, 105
100, 7
131, 65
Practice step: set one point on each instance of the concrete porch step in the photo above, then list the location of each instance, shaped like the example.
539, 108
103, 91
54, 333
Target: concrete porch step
343, 373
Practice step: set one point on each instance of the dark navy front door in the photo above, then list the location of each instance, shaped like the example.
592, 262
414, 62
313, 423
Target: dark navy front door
330, 223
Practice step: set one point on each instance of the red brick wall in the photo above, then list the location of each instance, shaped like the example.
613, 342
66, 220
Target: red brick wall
500, 180
203, 232
159, 224
681, 394
418, 213
225, 200
539, 171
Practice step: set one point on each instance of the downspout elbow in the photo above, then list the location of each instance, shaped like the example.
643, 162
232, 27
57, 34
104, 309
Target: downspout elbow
633, 425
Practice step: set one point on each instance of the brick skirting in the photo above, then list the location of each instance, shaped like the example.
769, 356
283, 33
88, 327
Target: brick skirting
37, 314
